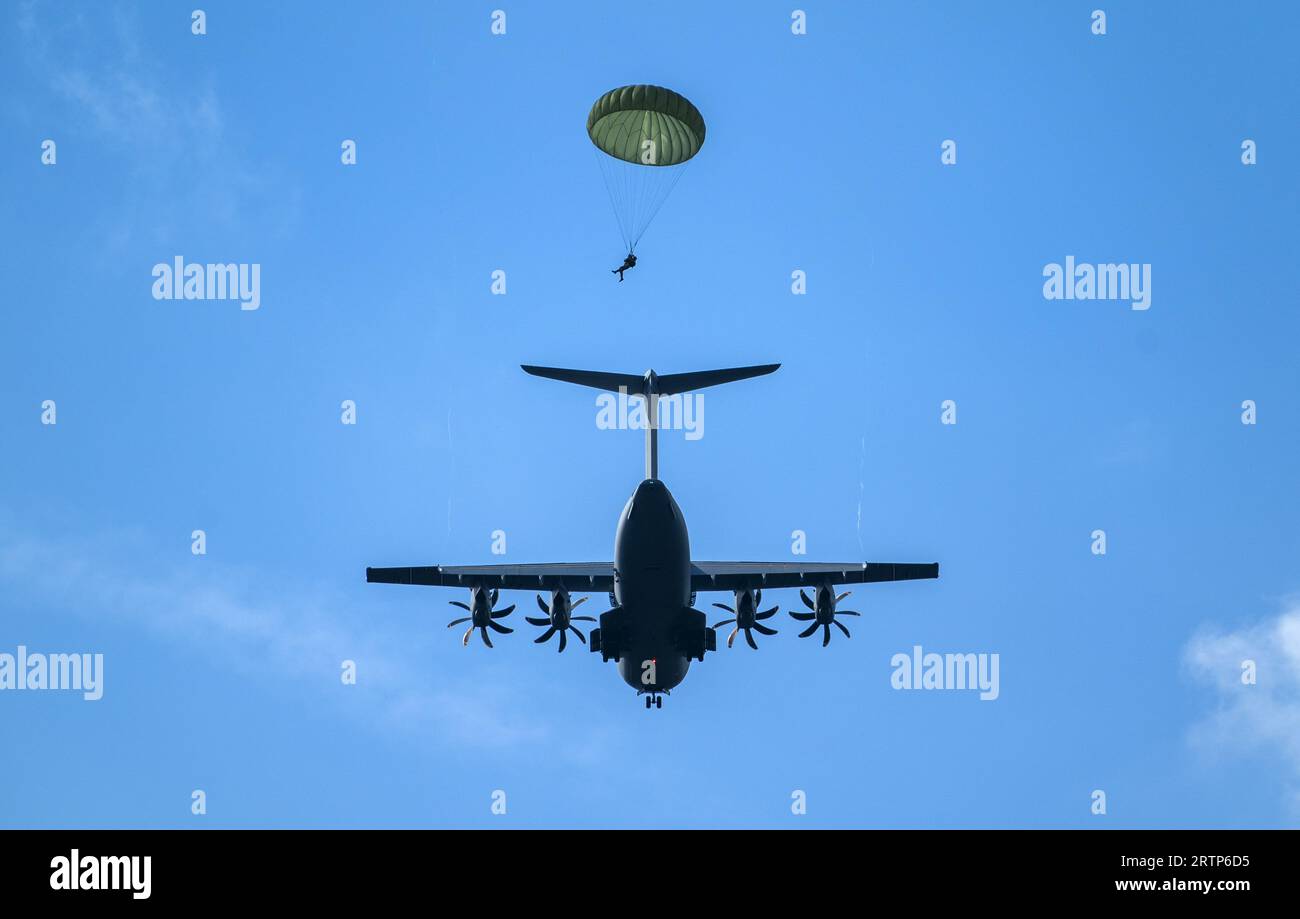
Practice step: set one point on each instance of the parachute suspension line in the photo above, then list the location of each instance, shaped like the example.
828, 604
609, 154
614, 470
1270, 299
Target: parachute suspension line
633, 184
639, 127
609, 190
643, 183
613, 185
636, 194
678, 172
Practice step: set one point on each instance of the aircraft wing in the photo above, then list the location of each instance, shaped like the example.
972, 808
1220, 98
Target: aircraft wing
734, 575
593, 577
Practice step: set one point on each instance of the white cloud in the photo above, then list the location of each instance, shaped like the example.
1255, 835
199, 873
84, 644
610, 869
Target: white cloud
1259, 718
178, 166
265, 628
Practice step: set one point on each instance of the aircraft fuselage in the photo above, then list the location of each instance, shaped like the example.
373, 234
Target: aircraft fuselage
652, 584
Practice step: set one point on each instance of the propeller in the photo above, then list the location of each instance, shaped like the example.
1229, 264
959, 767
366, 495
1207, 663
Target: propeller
482, 615
745, 617
559, 618
823, 613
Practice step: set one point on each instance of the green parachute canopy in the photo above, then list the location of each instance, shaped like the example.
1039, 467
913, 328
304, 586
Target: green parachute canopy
646, 125
643, 136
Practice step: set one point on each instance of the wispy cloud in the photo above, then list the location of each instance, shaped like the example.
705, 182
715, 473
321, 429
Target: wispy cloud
265, 628
165, 137
1265, 716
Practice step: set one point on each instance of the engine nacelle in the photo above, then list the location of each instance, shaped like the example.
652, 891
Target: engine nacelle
823, 611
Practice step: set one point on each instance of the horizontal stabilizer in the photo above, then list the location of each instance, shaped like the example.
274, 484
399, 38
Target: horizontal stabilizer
650, 386
628, 382
638, 384
688, 382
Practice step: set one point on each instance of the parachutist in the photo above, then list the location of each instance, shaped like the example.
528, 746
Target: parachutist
629, 262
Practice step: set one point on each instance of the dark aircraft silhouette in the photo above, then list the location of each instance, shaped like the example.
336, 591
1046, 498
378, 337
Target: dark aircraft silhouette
652, 629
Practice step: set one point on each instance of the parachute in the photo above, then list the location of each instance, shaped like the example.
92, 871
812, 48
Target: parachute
643, 137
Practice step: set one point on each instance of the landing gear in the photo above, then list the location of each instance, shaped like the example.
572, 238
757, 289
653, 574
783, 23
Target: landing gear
654, 700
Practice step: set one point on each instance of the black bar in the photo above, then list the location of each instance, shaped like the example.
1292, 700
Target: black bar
977, 867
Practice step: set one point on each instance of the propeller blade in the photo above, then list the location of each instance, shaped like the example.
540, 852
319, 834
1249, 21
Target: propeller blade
544, 636
542, 603
498, 627
718, 625
804, 617
732, 637
533, 620
493, 596
724, 606
582, 638
764, 630
846, 612
501, 614
826, 635
767, 613
483, 631
758, 598
581, 600
461, 605
563, 640
749, 637
458, 621
808, 631
582, 618
842, 628
806, 602
843, 595
464, 639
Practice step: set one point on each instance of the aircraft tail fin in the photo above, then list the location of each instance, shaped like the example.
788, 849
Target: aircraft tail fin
650, 386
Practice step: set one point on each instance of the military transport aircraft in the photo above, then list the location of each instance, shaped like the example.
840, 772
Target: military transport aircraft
652, 629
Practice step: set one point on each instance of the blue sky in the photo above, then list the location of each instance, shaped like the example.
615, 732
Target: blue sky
1118, 673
